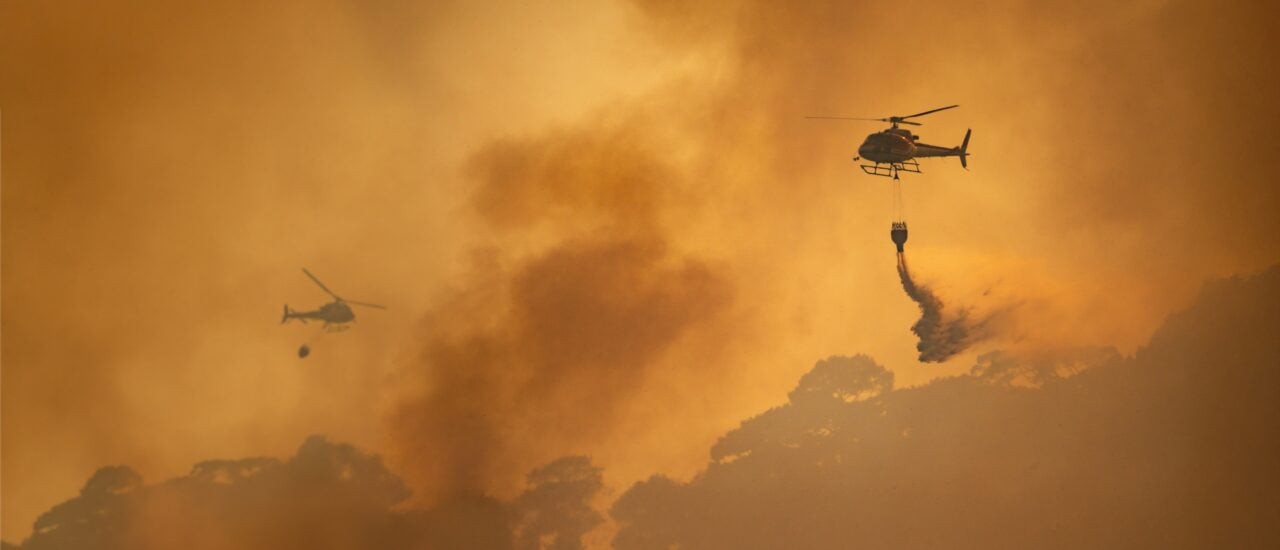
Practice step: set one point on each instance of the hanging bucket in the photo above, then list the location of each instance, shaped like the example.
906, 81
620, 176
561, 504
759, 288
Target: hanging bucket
898, 232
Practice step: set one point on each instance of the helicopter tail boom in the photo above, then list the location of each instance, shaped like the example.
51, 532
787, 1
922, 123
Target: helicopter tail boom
923, 150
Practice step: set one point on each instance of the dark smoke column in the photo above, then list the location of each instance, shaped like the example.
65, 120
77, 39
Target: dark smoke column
941, 336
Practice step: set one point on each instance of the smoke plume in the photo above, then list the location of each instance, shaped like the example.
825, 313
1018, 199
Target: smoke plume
605, 228
942, 333
539, 352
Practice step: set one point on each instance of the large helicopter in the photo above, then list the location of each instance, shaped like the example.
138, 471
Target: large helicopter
335, 314
895, 149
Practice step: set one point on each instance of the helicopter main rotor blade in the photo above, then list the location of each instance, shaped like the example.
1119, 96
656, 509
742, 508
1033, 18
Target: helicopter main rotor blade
927, 112
848, 118
365, 304
892, 120
322, 287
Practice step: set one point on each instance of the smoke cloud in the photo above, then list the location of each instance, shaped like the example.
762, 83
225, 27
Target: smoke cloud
603, 228
512, 362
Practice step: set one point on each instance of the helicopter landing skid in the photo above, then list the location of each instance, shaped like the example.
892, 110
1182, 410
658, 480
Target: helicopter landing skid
891, 169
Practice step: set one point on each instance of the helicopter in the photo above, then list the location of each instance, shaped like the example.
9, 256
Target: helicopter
895, 149
335, 314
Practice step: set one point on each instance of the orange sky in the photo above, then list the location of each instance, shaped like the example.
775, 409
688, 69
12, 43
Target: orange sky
610, 226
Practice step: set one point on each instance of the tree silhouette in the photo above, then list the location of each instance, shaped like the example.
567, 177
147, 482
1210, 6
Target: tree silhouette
1174, 447
555, 511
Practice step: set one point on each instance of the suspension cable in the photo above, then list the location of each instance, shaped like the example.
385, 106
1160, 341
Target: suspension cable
897, 198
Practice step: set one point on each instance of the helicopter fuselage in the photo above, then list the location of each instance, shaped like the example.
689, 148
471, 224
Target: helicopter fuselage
896, 145
332, 313
892, 145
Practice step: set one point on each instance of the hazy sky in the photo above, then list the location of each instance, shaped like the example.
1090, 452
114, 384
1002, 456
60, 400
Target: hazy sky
601, 229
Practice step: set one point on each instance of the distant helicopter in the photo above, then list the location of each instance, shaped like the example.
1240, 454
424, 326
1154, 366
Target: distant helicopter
895, 149
334, 314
